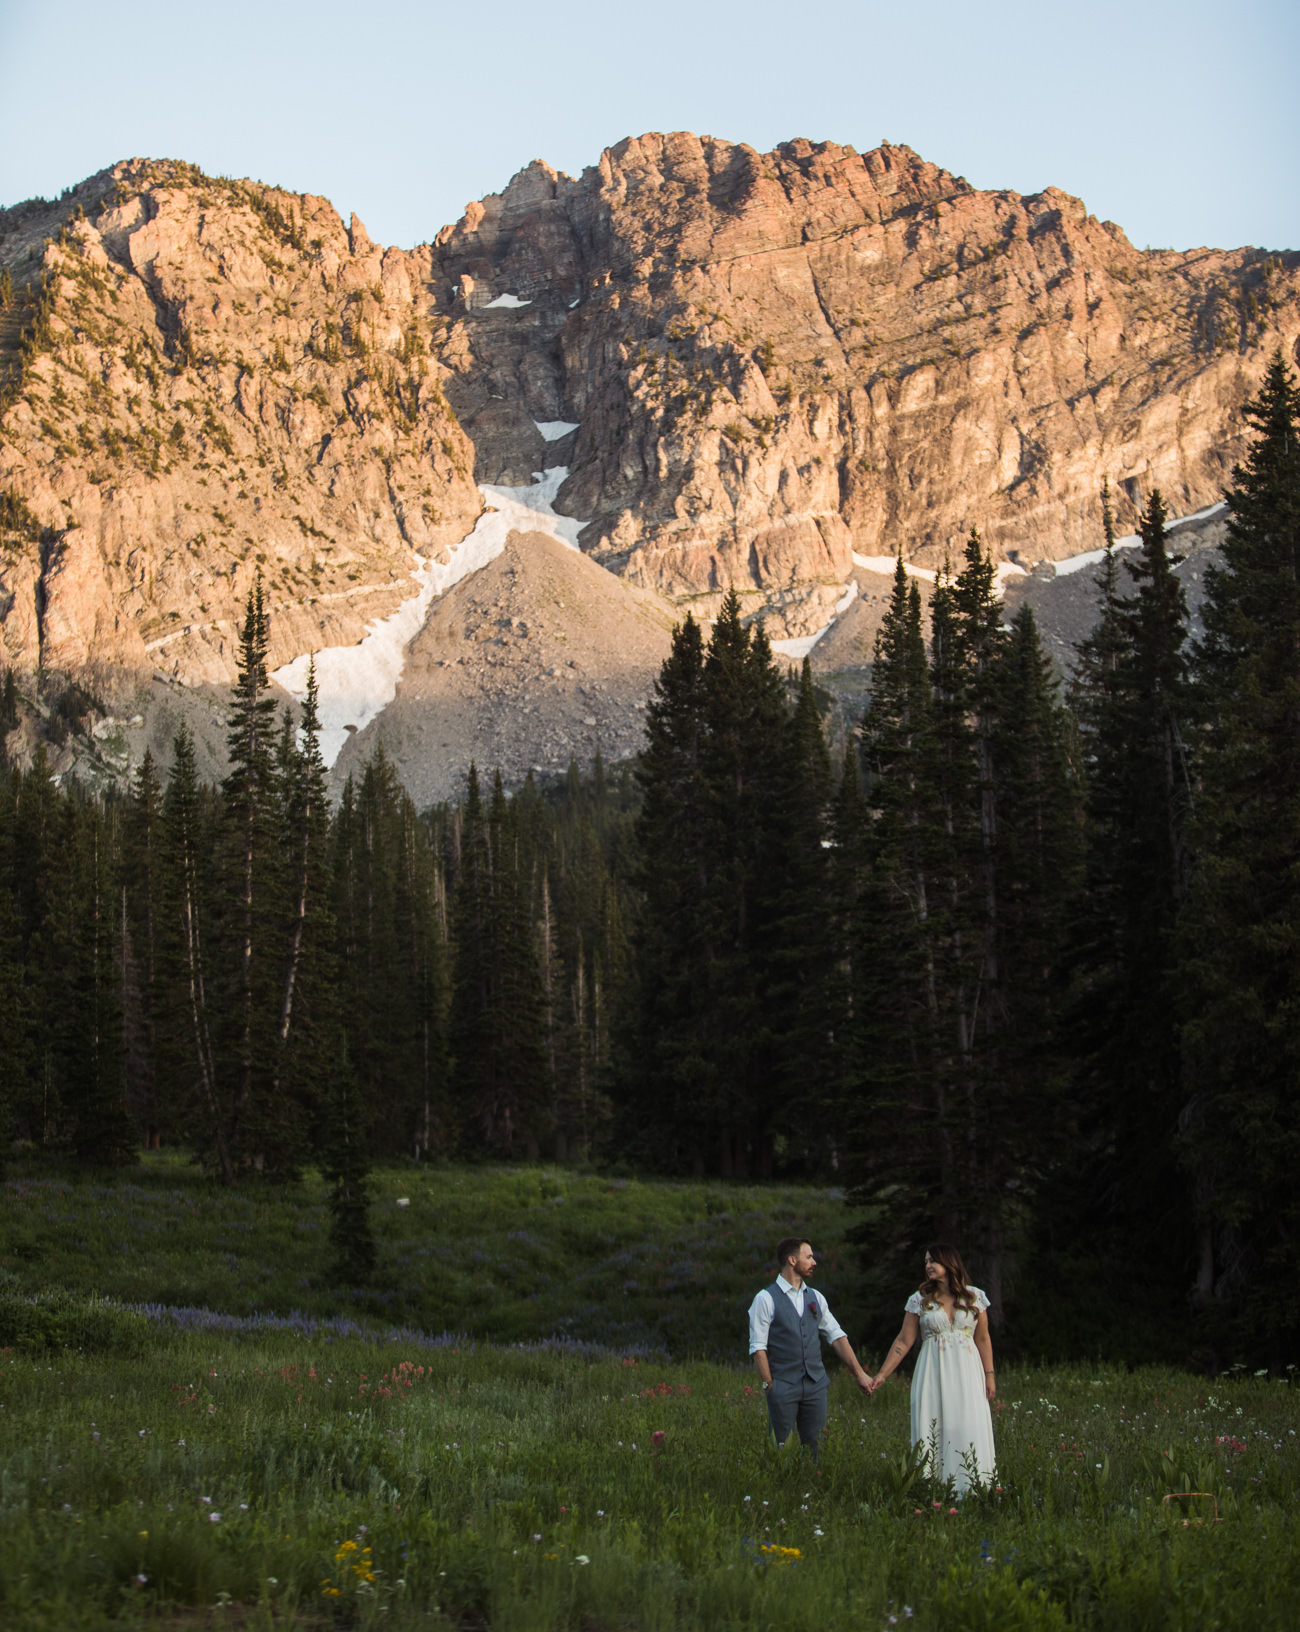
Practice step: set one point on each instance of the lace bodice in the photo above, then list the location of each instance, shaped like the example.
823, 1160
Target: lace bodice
957, 1333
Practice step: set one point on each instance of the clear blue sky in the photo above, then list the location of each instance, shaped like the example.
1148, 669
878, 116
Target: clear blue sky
1176, 118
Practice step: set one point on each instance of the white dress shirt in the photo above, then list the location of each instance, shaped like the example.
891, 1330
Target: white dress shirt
762, 1310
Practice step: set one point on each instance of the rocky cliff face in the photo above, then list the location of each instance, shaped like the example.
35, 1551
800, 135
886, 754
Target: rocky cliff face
780, 359
753, 366
218, 379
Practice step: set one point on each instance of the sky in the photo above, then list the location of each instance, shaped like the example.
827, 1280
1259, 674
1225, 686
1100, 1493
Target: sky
1174, 118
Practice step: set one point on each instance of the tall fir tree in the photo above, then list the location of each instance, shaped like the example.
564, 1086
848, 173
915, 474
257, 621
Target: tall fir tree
250, 903
1240, 950
139, 947
187, 1052
306, 1040
1131, 697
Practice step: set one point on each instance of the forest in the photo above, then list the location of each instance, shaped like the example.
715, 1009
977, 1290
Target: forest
1020, 971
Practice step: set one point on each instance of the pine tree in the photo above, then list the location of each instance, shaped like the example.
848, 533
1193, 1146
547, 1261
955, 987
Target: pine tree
1131, 697
345, 1166
81, 988
187, 1051
251, 907
897, 1124
306, 1024
667, 1075
1240, 962
139, 946
802, 955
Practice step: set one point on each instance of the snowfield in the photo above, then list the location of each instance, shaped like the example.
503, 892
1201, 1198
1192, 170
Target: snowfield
358, 682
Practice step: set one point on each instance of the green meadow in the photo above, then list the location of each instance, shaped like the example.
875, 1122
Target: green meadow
467, 1446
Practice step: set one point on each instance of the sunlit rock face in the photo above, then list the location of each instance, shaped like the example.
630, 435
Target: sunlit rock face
754, 368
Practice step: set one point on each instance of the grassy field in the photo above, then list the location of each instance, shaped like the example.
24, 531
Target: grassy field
165, 1468
510, 1254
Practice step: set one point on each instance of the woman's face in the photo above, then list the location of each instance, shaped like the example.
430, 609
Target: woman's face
935, 1272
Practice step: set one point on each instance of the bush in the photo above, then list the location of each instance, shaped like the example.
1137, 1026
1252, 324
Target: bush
55, 1319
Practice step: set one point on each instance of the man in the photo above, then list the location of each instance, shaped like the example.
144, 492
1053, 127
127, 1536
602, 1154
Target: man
786, 1325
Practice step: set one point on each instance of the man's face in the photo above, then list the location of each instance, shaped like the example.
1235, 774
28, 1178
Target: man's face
803, 1263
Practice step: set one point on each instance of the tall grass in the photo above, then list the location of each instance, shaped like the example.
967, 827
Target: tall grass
321, 1482
510, 1254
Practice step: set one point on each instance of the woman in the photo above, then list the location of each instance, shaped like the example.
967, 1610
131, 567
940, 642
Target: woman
953, 1381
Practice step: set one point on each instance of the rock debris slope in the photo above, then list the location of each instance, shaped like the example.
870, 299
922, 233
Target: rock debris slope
538, 656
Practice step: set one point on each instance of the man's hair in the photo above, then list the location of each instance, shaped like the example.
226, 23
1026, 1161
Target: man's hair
788, 1247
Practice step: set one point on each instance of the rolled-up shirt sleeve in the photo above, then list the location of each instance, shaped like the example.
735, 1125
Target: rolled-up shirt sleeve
827, 1324
760, 1320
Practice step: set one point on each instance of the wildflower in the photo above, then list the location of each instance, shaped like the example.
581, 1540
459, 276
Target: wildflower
657, 1438
403, 1201
537, 1538
582, 1559
214, 1518
952, 1511
600, 1512
143, 1580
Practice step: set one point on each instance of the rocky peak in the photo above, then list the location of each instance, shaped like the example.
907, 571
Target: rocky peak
754, 367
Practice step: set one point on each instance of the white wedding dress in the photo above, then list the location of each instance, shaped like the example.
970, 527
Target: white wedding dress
949, 1409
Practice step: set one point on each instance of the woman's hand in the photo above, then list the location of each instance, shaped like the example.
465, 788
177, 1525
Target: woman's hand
990, 1387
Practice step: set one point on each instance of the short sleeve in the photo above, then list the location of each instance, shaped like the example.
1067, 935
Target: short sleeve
913, 1305
981, 1302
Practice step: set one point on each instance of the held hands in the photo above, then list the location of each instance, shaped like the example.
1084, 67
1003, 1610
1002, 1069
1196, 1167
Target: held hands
869, 1384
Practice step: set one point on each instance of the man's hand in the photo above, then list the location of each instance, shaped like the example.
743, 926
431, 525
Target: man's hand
866, 1383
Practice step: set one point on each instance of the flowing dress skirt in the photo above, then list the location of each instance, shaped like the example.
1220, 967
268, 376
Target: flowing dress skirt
949, 1410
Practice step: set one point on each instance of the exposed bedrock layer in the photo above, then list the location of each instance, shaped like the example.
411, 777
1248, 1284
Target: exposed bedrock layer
772, 360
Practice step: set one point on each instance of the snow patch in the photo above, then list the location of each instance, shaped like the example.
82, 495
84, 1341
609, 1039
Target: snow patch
506, 300
887, 563
553, 429
1092, 558
1130, 541
1008, 569
358, 682
847, 599
800, 647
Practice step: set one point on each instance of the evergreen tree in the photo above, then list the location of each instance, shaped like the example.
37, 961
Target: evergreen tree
187, 1050
345, 1167
306, 1028
1131, 697
81, 988
1240, 961
139, 946
802, 956
898, 1130
251, 911
667, 1074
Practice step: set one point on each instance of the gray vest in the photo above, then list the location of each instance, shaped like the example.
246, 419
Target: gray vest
794, 1345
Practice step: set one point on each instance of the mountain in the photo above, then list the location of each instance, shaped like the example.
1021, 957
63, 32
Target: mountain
765, 371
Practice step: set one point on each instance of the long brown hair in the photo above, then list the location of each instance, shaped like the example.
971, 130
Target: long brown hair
939, 1252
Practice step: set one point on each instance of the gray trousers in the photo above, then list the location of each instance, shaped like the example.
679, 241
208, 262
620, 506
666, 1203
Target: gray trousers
797, 1405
